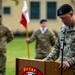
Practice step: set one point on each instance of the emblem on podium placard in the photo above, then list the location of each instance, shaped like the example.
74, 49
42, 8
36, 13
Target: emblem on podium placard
30, 71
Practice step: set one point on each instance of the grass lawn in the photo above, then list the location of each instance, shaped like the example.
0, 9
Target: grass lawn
17, 48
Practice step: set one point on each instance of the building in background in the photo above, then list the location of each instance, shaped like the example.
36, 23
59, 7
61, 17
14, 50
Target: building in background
38, 9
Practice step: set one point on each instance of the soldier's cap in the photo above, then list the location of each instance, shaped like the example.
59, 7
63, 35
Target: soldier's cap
64, 9
43, 20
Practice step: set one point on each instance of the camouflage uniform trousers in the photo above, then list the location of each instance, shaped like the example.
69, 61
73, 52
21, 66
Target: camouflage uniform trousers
2, 63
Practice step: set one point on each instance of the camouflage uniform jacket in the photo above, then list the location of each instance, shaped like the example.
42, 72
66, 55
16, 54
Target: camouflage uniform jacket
43, 41
5, 37
69, 47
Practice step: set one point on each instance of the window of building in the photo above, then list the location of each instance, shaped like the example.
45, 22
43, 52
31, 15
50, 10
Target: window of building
34, 10
6, 10
51, 10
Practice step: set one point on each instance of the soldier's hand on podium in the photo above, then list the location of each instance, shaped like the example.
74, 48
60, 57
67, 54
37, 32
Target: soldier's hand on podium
66, 65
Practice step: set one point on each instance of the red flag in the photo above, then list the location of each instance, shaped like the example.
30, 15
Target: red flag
24, 17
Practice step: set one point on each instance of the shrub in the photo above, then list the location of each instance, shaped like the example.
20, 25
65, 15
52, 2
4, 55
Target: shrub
22, 33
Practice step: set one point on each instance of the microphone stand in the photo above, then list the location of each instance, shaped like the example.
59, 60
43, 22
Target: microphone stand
62, 48
64, 29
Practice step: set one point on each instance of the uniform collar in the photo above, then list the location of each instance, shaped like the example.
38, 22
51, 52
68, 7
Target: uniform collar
42, 29
72, 28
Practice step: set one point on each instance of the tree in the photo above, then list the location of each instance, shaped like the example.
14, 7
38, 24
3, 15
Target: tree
16, 1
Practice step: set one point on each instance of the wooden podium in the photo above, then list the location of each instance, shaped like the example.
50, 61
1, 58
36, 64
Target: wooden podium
39, 67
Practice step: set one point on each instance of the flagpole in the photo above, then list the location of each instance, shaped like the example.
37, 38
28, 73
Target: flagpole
24, 21
27, 43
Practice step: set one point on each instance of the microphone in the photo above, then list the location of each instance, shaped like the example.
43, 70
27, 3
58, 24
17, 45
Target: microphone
64, 29
62, 43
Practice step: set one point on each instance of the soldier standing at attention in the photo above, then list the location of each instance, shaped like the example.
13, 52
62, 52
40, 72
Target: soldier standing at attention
66, 14
44, 40
5, 37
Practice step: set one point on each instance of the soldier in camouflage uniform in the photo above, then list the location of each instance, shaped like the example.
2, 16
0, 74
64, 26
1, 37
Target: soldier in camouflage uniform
44, 40
5, 37
66, 14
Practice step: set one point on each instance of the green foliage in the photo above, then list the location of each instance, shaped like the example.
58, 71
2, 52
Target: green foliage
16, 1
22, 34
